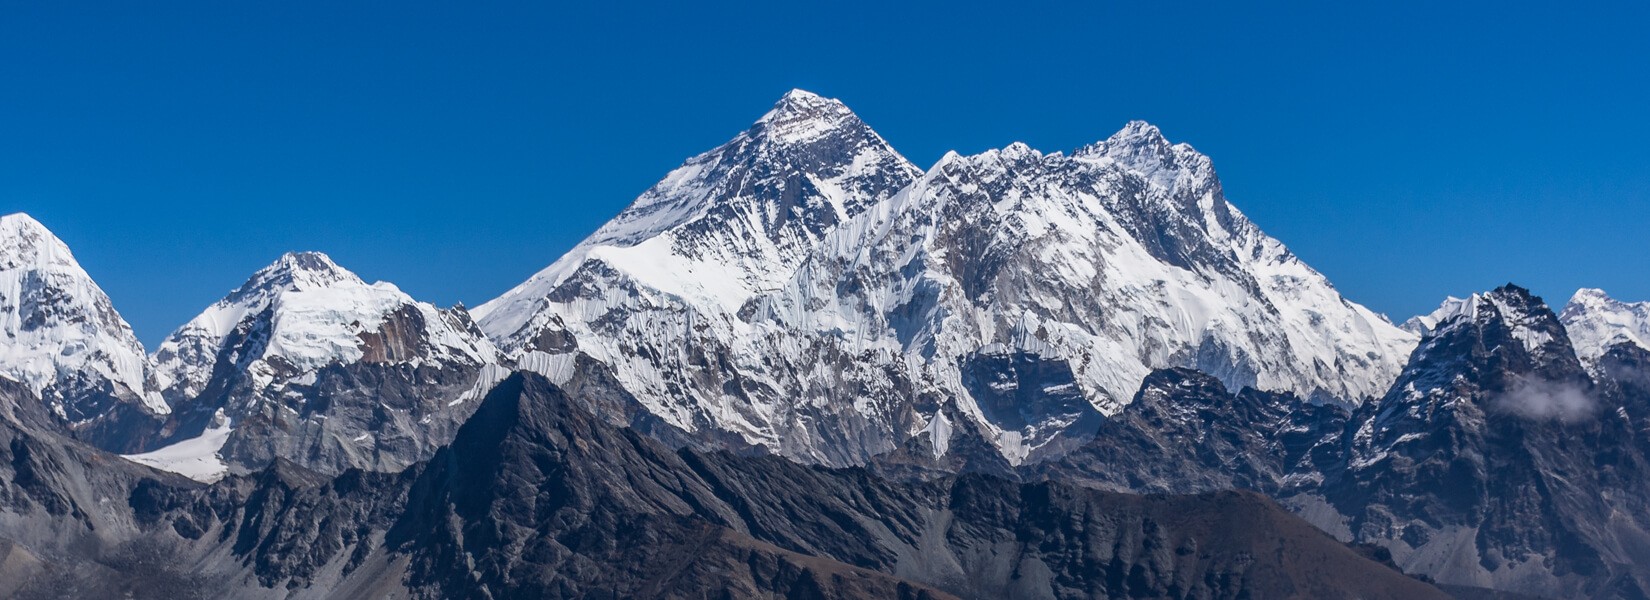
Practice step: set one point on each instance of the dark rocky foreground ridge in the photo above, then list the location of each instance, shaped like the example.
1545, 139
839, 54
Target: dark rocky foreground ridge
536, 498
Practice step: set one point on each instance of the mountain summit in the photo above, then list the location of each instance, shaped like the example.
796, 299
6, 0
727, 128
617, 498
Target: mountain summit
805, 289
308, 362
63, 340
727, 223
1596, 322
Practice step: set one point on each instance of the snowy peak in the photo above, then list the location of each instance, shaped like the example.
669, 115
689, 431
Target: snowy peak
1135, 138
308, 362
1116, 261
304, 312
801, 116
299, 271
1140, 146
802, 167
800, 285
24, 240
728, 223
1596, 322
61, 335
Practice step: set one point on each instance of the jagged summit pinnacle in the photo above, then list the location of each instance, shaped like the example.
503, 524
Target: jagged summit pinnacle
1471, 307
1524, 316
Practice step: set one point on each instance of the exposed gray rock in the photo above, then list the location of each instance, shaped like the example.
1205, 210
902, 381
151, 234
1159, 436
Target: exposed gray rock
538, 498
1495, 461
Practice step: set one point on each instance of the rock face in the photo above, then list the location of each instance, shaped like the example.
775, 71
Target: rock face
1496, 460
806, 289
1185, 433
62, 339
307, 362
536, 497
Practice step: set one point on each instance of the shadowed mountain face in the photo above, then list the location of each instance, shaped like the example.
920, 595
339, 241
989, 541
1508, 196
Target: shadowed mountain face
1496, 460
537, 498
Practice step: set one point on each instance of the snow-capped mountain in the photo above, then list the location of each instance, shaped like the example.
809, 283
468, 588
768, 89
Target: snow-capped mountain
1119, 259
807, 290
307, 362
660, 293
726, 225
1595, 322
63, 340
1497, 461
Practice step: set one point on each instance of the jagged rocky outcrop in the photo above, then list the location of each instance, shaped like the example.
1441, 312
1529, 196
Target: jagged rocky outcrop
1495, 461
805, 289
1186, 433
61, 338
537, 497
307, 362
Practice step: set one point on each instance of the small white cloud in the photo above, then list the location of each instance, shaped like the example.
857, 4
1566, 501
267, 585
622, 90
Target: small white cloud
1543, 400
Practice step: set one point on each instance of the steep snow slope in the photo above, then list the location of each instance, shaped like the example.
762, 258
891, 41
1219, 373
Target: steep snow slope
61, 336
1595, 322
658, 293
308, 313
728, 223
312, 364
802, 289
1115, 261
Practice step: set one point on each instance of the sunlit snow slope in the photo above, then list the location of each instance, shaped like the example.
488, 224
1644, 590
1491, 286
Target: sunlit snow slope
804, 288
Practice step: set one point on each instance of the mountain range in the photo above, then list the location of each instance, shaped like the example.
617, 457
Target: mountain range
802, 366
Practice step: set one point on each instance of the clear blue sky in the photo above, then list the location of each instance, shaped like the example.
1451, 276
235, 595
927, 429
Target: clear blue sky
1407, 150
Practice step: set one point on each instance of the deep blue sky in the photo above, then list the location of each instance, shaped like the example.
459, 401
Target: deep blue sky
1407, 151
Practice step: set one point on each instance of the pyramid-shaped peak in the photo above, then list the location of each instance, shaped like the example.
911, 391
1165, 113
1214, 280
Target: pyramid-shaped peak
299, 271
1592, 296
805, 101
16, 222
24, 240
306, 261
1136, 138
1019, 151
801, 95
802, 117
